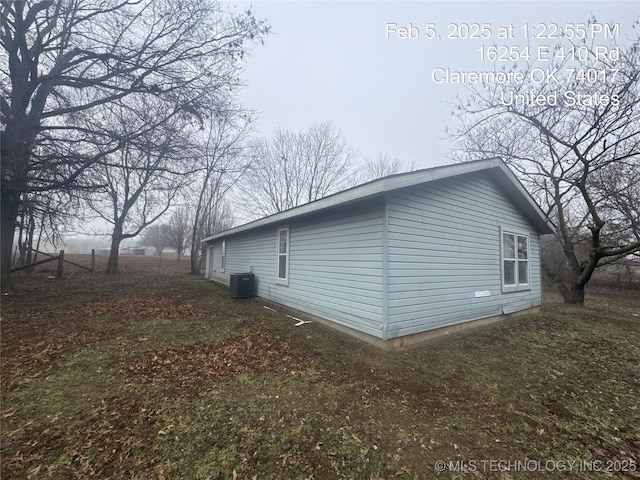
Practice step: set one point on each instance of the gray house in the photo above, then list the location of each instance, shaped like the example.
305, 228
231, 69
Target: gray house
401, 258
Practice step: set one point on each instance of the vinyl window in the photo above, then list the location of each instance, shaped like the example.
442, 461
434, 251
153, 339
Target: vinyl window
283, 256
515, 261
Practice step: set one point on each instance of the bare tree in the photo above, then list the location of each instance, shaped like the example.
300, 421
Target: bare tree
61, 61
143, 177
575, 143
220, 219
291, 169
382, 165
155, 236
40, 219
222, 161
178, 230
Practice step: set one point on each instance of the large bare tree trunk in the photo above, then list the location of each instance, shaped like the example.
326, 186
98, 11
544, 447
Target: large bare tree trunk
15, 144
572, 293
116, 238
195, 241
68, 61
579, 160
112, 263
9, 208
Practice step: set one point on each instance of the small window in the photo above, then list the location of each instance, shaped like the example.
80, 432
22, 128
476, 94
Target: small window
224, 255
515, 262
283, 256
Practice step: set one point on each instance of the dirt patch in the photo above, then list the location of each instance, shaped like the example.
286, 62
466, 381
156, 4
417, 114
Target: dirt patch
143, 376
42, 312
148, 306
248, 353
29, 359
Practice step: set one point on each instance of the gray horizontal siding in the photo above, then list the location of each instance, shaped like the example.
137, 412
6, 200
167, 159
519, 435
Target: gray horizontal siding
444, 245
335, 265
254, 251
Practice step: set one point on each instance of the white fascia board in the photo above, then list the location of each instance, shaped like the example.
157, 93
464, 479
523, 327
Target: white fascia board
523, 199
391, 183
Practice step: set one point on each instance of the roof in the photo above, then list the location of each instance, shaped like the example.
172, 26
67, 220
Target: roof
494, 166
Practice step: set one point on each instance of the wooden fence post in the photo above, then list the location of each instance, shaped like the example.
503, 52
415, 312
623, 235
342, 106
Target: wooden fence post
60, 264
93, 260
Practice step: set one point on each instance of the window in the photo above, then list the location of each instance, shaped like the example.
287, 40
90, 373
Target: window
283, 256
515, 262
224, 254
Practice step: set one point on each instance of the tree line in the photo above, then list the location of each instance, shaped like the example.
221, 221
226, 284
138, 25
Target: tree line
96, 99
579, 159
127, 112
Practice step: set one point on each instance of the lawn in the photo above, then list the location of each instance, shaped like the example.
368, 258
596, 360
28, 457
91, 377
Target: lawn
157, 374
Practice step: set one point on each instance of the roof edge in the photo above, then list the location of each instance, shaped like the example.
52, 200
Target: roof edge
396, 182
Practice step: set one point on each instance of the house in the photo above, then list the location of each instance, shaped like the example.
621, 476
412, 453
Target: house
399, 259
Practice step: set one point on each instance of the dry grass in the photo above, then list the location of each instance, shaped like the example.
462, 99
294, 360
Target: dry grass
151, 374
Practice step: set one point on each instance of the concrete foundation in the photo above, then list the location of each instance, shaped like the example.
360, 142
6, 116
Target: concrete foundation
407, 340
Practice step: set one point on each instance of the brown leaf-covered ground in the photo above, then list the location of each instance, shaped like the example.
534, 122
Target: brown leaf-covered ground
153, 373
211, 362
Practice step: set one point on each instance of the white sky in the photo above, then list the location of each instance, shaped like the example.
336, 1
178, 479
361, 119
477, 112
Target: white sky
328, 60
331, 61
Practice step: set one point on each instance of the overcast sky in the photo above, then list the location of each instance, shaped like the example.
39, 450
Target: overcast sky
336, 61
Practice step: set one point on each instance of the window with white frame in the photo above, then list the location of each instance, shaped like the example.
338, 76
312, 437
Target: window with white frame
223, 254
283, 256
515, 261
